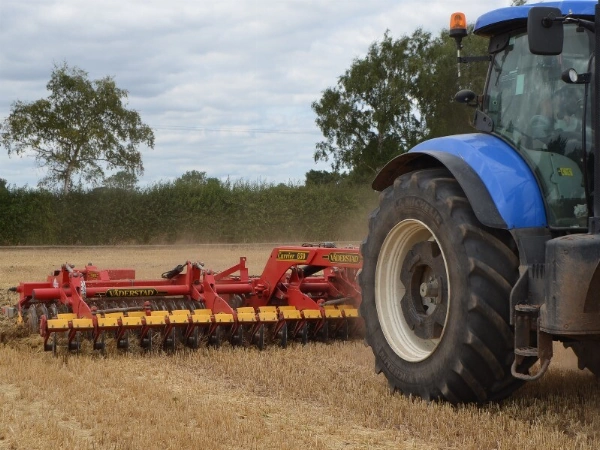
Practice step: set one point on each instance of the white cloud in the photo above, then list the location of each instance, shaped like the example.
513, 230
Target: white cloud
227, 85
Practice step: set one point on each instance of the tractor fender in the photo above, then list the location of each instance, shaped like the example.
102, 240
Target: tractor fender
498, 183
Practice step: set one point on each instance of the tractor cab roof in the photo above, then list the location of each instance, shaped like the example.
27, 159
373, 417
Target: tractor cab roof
505, 19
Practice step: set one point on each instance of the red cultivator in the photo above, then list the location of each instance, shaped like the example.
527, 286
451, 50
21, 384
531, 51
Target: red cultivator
303, 293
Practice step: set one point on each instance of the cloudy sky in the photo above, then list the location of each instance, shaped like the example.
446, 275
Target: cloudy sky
226, 85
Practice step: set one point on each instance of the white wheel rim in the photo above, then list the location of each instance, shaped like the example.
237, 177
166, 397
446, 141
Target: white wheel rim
389, 290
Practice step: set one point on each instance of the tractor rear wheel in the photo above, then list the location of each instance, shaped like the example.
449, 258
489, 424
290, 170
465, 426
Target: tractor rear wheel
435, 286
588, 356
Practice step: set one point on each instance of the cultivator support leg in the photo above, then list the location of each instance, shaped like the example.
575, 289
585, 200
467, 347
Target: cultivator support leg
306, 292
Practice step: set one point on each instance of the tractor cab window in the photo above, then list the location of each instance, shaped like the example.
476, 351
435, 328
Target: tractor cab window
543, 118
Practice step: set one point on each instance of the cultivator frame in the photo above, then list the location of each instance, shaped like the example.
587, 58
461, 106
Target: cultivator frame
304, 292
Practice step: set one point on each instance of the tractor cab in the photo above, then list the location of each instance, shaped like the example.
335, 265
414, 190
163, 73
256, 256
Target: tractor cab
531, 103
545, 119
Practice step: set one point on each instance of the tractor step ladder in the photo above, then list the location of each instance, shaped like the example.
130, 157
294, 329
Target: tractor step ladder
526, 320
530, 341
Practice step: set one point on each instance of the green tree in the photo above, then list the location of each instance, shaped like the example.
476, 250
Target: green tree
437, 83
192, 178
399, 94
121, 180
196, 178
319, 177
370, 113
82, 129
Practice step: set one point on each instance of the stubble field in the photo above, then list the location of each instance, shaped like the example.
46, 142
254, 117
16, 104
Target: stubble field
321, 396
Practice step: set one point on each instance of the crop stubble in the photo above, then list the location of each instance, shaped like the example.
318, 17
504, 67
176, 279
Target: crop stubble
322, 396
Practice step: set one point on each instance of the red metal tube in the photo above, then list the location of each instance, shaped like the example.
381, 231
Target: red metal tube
233, 288
139, 291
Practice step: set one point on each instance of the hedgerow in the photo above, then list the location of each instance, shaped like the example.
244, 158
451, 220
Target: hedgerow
172, 212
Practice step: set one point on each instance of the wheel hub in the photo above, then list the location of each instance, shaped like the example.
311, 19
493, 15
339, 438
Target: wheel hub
424, 276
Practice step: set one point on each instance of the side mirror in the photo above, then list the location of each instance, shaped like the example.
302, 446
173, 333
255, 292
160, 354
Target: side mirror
545, 31
466, 96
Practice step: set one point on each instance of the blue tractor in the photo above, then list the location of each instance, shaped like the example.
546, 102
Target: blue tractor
485, 247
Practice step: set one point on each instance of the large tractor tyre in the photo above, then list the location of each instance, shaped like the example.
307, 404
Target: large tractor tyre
435, 286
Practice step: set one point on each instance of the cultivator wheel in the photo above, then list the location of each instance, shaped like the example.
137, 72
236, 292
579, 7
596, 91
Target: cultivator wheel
146, 342
193, 341
216, 339
260, 337
123, 342
304, 334
283, 335
170, 341
237, 337
74, 345
101, 345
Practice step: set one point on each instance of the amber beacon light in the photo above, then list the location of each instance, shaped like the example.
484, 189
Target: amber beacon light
458, 25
